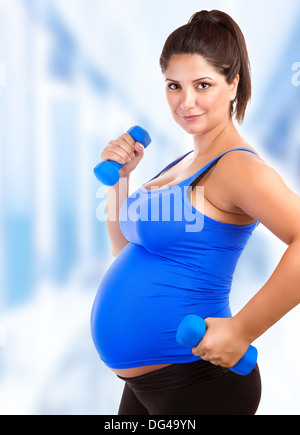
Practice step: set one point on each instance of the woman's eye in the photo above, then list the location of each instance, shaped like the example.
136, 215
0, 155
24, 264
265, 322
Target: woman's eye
203, 85
173, 86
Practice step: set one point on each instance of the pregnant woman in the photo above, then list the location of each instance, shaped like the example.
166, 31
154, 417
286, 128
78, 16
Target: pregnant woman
179, 237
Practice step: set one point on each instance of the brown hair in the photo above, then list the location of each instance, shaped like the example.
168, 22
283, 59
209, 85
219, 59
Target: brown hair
217, 37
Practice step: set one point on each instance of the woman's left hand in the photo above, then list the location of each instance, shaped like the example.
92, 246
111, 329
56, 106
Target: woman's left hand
223, 344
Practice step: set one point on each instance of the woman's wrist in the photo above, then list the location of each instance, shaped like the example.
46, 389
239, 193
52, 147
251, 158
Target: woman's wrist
242, 329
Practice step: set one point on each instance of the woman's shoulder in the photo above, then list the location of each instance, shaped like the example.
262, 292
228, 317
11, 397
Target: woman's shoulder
240, 169
256, 188
241, 154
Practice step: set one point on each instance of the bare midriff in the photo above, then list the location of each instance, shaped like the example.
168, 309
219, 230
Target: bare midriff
138, 371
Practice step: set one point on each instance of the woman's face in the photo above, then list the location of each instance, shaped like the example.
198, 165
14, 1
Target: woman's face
198, 95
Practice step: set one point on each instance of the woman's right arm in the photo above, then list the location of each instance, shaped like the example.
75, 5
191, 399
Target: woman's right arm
129, 153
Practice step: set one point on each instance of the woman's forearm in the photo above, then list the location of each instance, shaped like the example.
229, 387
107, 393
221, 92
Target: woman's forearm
116, 196
278, 296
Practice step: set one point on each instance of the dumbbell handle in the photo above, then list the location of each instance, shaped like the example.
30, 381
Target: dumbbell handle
191, 331
108, 171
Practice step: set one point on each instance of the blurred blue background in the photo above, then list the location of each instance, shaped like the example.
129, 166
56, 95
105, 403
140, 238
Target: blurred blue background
73, 75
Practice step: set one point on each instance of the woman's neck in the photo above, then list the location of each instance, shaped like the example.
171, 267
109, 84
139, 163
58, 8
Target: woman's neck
215, 141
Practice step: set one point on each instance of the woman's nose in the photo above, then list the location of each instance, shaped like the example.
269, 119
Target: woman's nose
188, 101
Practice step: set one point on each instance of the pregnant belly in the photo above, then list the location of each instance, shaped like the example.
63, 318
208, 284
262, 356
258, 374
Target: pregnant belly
139, 305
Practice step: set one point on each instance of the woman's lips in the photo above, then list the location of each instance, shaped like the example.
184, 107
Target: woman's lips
192, 118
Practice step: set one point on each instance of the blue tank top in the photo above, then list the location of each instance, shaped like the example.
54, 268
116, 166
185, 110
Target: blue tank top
177, 262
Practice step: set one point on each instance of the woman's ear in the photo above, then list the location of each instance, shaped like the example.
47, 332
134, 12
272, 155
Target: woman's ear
234, 87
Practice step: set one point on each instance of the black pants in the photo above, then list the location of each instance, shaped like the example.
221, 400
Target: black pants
197, 388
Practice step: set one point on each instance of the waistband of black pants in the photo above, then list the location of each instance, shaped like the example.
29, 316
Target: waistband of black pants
175, 376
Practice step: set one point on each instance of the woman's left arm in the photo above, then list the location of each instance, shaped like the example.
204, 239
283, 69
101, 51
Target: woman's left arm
260, 192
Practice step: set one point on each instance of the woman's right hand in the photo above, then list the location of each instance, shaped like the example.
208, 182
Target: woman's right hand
125, 151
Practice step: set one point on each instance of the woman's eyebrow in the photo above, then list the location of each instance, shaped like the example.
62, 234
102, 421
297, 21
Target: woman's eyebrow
197, 80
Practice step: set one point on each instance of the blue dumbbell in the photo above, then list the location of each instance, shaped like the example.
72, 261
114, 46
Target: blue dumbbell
191, 331
108, 172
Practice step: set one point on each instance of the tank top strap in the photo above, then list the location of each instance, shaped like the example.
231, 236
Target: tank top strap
203, 171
